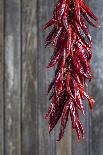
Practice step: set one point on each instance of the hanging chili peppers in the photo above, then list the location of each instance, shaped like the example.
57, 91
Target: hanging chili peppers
71, 41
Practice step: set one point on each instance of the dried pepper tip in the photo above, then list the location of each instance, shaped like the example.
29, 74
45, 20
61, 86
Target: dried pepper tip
45, 116
71, 41
91, 102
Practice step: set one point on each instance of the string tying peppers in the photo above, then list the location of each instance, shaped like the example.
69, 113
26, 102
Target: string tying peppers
71, 41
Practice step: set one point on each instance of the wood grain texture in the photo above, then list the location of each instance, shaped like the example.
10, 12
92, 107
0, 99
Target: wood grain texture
29, 79
47, 143
12, 78
64, 147
24, 81
1, 77
96, 141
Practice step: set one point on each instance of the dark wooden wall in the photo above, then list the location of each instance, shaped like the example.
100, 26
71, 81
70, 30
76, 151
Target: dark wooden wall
24, 80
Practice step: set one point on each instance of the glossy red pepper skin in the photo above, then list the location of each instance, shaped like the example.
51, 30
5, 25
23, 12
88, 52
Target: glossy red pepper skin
48, 39
87, 9
71, 41
85, 15
64, 118
84, 28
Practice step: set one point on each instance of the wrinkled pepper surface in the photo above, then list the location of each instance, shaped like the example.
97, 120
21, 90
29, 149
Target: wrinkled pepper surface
72, 42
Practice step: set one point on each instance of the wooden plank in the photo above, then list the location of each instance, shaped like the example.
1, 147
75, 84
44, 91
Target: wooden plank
1, 77
64, 146
82, 147
47, 143
29, 79
12, 78
96, 142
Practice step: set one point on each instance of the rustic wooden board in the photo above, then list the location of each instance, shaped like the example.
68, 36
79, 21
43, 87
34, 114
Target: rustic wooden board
29, 79
96, 89
1, 77
64, 147
12, 92
47, 143
24, 80
82, 147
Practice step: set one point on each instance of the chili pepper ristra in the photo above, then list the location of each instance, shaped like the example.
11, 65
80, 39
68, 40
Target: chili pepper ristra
71, 41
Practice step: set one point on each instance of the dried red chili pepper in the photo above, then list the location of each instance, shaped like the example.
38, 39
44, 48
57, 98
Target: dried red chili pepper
72, 42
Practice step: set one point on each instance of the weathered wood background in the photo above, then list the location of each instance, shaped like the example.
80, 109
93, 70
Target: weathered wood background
24, 80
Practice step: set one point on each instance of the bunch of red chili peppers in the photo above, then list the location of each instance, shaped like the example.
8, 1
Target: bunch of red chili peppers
71, 41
